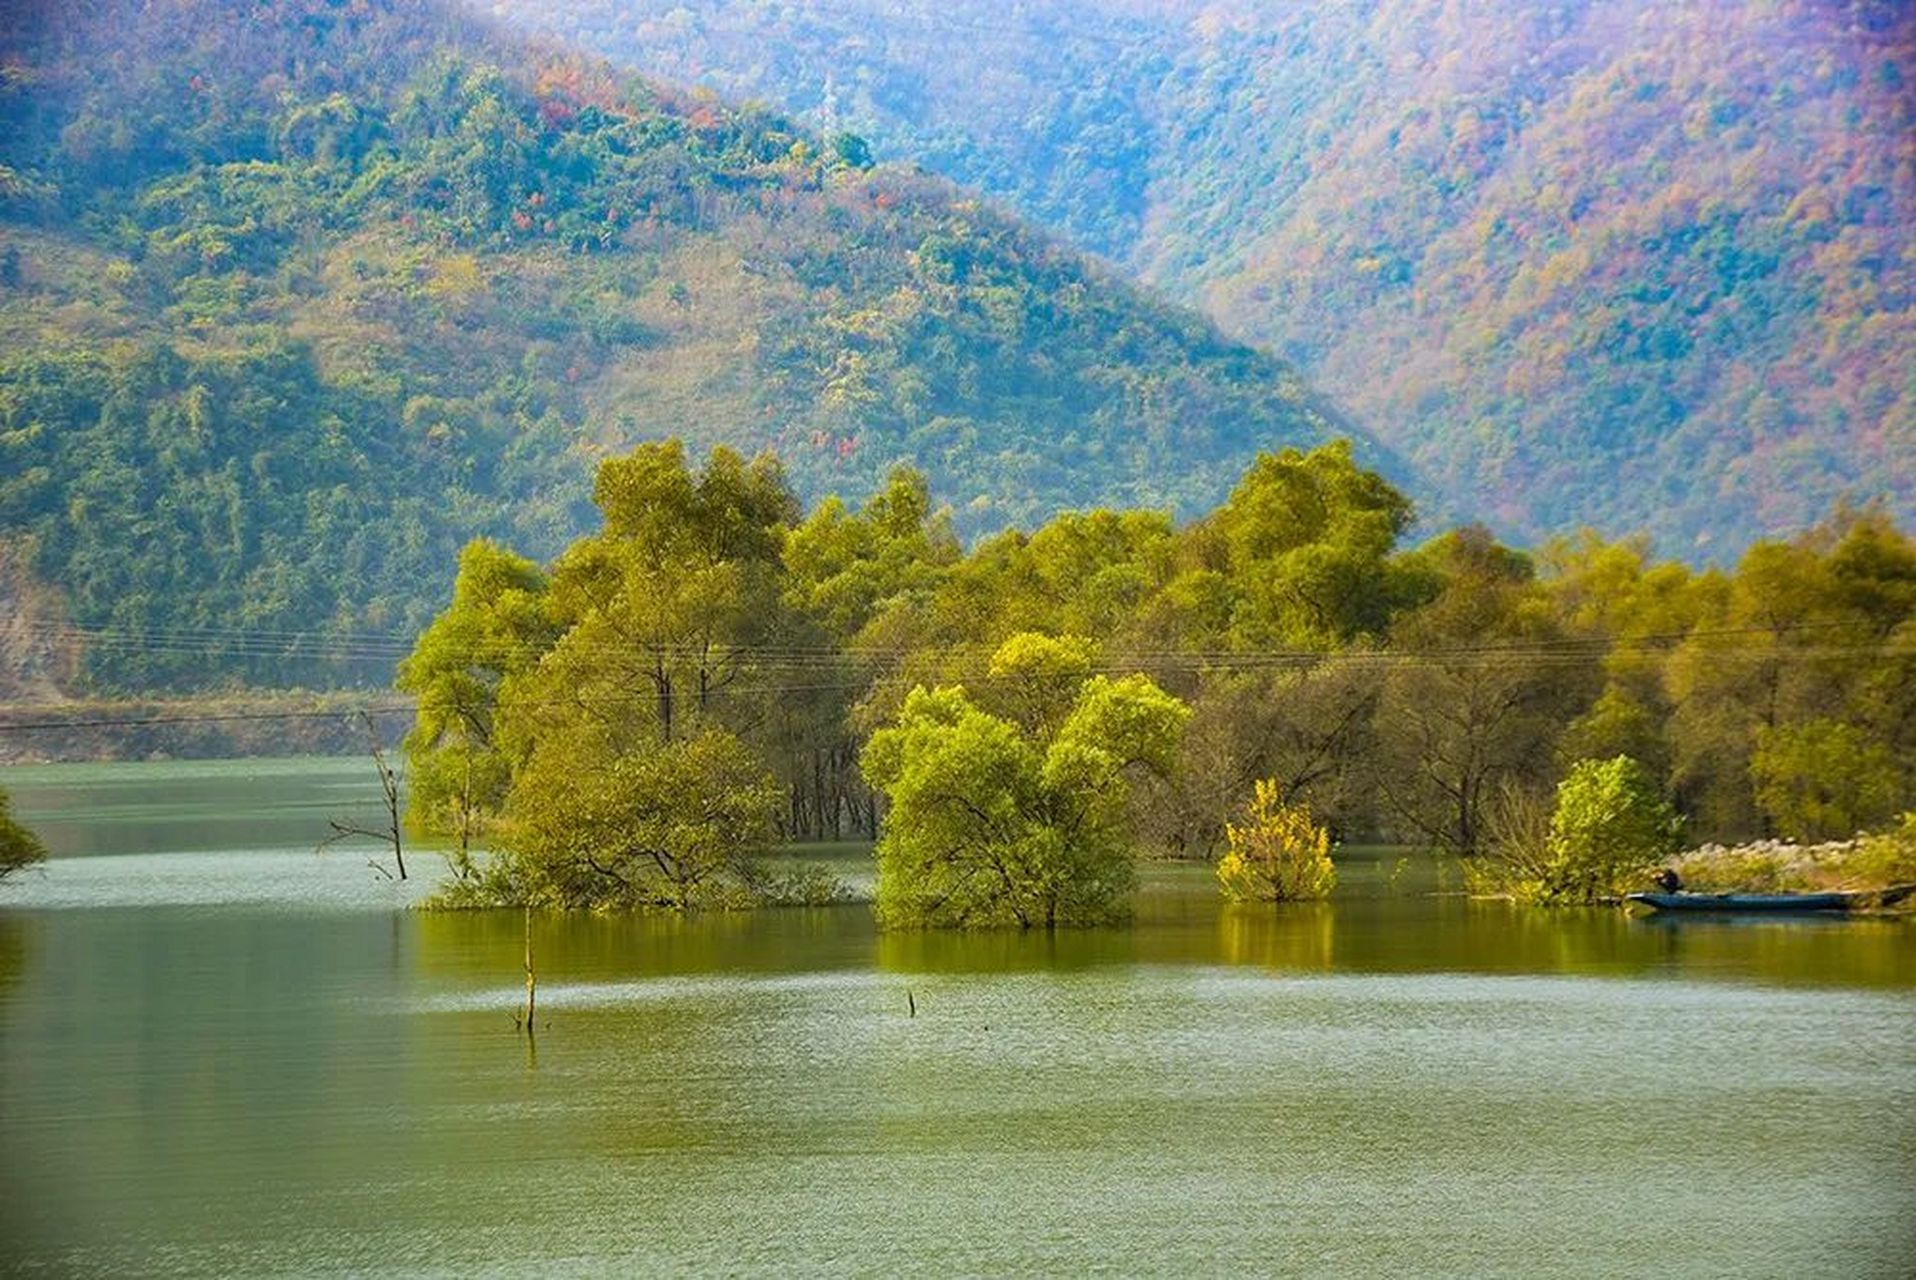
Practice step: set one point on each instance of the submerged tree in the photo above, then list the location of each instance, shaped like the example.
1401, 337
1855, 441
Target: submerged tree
19, 847
630, 779
1017, 819
391, 834
1277, 852
674, 826
1610, 829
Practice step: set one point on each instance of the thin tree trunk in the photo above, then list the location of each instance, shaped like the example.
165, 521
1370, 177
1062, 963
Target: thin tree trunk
663, 682
465, 815
532, 976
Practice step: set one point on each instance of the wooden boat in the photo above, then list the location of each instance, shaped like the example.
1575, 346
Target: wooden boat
1721, 902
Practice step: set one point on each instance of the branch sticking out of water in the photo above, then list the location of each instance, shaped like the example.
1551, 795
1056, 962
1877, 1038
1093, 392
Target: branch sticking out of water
388, 835
532, 978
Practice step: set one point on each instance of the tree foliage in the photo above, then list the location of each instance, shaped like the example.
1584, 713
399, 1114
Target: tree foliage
1276, 852
674, 826
19, 847
496, 628
1609, 830
1483, 678
1824, 779
998, 821
1310, 727
602, 705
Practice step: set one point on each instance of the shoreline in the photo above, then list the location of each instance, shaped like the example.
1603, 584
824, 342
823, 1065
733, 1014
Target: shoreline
239, 725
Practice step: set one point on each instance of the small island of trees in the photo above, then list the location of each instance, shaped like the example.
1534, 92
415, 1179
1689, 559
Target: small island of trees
717, 672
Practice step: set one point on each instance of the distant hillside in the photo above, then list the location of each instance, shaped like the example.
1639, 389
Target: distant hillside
1629, 262
297, 296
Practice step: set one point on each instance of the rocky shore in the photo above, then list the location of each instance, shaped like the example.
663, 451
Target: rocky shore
1865, 862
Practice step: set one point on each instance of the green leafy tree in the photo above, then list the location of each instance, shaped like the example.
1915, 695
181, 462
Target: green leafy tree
850, 150
1036, 680
1476, 691
675, 826
994, 822
1825, 779
843, 567
496, 627
858, 578
1609, 830
1613, 595
19, 847
1308, 536
1815, 629
667, 611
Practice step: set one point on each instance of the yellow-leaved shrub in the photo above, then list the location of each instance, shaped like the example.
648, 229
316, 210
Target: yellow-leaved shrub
1277, 853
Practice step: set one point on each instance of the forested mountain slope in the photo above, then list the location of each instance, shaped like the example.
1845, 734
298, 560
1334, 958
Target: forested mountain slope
1628, 262
297, 296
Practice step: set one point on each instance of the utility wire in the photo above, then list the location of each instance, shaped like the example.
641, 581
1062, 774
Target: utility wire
204, 718
374, 645
960, 674
961, 663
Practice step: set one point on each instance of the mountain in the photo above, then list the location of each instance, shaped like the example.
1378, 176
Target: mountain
297, 296
1629, 263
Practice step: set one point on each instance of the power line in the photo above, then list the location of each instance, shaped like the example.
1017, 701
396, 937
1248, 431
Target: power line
205, 718
960, 673
965, 662
969, 658
267, 642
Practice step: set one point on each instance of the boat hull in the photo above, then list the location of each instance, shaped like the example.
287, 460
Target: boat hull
1741, 902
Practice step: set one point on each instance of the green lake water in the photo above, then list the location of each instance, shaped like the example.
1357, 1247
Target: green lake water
221, 1053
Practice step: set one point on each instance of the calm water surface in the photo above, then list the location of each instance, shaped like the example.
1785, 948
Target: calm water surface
221, 1053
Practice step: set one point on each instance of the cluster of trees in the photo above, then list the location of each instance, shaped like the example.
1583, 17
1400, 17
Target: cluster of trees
1539, 245
1607, 830
296, 300
1012, 721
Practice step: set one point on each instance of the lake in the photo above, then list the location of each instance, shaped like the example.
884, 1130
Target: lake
222, 1053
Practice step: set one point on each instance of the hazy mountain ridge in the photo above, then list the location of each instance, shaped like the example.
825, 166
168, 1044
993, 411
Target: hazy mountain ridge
298, 297
1638, 264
